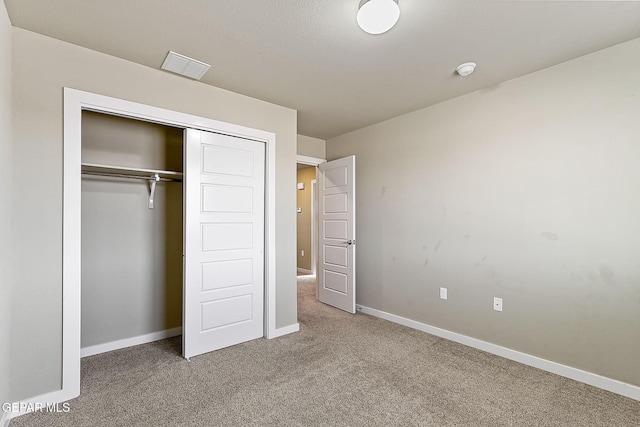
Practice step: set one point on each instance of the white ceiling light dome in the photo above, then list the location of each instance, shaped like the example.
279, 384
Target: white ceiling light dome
378, 16
465, 69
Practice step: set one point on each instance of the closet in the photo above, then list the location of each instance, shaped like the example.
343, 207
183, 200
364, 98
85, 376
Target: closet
172, 235
132, 243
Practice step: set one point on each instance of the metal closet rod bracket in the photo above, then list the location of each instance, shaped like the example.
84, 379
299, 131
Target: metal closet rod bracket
152, 194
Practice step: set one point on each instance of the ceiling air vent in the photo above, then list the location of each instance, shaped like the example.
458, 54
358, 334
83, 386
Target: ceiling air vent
185, 66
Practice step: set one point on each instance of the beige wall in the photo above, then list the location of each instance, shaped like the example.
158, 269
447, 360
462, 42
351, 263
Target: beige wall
42, 66
528, 191
305, 176
311, 147
5, 205
131, 255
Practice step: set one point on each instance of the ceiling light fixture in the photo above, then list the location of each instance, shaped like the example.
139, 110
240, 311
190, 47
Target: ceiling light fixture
378, 16
465, 69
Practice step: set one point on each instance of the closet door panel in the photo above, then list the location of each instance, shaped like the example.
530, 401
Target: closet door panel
224, 241
227, 198
227, 274
226, 236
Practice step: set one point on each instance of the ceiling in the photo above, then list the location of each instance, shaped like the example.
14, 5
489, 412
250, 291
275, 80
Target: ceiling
311, 56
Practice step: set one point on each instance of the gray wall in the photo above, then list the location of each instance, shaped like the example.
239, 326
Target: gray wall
311, 147
5, 205
42, 66
131, 255
529, 191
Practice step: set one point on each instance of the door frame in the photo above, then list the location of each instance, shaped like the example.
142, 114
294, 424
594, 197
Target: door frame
314, 225
76, 101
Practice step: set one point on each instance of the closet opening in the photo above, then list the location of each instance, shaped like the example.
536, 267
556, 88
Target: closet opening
132, 232
219, 158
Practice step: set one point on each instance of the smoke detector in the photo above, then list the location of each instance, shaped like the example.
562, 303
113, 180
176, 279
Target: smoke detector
465, 69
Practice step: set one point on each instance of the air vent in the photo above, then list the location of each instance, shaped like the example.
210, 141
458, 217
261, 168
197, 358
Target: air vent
185, 66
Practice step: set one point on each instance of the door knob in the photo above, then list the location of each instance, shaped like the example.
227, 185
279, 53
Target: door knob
351, 242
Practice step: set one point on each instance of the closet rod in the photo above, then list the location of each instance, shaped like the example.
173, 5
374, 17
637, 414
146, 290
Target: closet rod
121, 175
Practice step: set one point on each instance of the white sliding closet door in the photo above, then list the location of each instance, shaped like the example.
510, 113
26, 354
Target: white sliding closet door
224, 241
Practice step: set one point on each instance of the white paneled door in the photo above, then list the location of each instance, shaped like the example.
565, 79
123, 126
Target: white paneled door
337, 233
223, 241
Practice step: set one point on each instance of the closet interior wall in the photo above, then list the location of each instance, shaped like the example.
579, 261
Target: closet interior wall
131, 254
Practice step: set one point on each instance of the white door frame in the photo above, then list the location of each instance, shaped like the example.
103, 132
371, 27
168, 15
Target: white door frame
314, 226
75, 102
312, 161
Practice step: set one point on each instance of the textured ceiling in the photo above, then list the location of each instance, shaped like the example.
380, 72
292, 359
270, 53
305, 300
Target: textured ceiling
310, 55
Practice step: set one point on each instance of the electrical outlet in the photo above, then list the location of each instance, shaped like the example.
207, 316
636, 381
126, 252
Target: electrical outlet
497, 304
443, 293
301, 253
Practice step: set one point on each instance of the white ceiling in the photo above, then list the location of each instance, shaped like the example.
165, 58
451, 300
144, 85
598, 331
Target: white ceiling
310, 55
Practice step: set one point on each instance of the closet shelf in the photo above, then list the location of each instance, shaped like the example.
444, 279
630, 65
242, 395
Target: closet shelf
128, 172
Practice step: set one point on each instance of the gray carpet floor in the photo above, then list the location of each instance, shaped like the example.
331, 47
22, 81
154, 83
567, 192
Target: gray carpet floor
339, 370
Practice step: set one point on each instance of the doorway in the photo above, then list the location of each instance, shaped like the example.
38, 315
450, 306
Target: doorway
306, 219
335, 230
132, 237
307, 215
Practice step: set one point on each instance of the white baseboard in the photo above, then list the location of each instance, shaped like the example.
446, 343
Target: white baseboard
305, 271
590, 378
285, 330
129, 342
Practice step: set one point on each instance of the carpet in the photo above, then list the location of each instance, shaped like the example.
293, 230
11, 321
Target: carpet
339, 370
